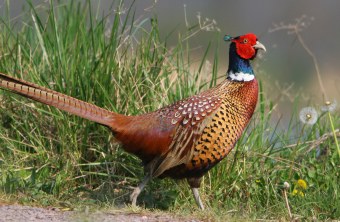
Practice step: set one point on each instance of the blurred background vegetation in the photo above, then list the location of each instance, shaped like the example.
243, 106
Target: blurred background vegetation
285, 67
134, 57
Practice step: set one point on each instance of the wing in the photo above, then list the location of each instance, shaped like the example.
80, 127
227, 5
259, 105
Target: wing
190, 116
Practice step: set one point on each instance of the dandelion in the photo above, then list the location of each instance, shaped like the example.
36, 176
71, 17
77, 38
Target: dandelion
302, 194
302, 184
299, 187
286, 185
308, 115
298, 192
295, 191
329, 106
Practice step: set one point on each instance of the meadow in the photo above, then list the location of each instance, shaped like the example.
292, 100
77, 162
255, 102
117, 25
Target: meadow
122, 63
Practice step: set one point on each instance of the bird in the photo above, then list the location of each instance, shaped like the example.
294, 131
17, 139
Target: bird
183, 140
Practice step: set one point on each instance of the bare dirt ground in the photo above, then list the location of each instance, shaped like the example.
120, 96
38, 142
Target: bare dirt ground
20, 213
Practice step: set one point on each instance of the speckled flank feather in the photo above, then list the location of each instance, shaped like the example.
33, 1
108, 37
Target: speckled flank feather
222, 132
207, 127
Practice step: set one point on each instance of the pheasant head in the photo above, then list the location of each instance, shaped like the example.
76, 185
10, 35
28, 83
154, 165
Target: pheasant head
242, 49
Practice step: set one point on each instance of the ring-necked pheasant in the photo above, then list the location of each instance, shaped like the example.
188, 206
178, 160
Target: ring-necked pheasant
182, 140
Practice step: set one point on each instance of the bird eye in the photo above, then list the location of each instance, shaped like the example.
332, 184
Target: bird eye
245, 40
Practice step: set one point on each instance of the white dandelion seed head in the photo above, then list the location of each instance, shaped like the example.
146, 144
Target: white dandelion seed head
286, 185
329, 106
308, 115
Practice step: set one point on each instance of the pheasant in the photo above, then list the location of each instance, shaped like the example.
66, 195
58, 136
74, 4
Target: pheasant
183, 140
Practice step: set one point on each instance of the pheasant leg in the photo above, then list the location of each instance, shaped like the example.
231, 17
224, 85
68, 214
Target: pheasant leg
195, 183
134, 195
197, 198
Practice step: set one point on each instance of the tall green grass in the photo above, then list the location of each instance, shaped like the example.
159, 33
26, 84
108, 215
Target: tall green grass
124, 64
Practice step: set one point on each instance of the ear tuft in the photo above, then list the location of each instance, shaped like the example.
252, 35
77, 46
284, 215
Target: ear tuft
227, 38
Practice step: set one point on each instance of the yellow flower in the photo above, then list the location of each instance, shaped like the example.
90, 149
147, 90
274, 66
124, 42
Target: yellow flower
302, 184
299, 187
295, 191
298, 192
301, 194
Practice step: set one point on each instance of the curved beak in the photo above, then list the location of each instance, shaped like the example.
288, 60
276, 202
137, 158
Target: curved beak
259, 45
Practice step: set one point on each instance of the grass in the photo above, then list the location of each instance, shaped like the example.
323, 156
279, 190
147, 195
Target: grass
124, 64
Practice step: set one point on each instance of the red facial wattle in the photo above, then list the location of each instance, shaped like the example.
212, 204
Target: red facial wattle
245, 46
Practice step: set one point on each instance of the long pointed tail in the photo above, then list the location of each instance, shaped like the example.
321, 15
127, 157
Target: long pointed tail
58, 100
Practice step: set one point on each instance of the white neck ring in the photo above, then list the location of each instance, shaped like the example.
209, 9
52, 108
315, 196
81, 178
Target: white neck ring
240, 76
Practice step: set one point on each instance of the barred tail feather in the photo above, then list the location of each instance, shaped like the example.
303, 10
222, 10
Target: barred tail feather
58, 100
